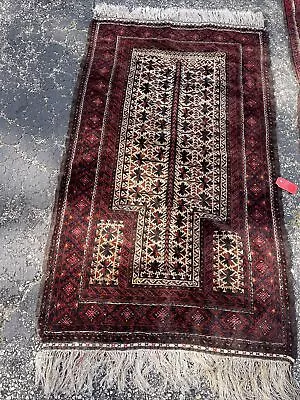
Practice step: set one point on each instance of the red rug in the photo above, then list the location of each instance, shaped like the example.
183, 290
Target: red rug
168, 243
292, 13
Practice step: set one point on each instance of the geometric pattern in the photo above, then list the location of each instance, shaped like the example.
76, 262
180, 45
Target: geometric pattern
106, 256
228, 262
172, 160
172, 142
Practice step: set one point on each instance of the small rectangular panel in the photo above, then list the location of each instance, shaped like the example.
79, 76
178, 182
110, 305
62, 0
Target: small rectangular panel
228, 262
106, 256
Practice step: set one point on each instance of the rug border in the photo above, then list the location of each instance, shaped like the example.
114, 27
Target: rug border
292, 30
277, 194
294, 45
65, 164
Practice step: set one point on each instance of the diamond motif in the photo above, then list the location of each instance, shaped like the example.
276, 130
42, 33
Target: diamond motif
228, 262
172, 160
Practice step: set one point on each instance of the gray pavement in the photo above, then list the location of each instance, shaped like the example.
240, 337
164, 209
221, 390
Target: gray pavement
42, 44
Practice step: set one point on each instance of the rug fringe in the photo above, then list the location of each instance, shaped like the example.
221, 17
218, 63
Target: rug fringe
223, 17
231, 378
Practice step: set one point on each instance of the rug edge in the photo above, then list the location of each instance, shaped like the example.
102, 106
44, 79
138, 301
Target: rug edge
63, 169
231, 378
289, 15
178, 15
278, 196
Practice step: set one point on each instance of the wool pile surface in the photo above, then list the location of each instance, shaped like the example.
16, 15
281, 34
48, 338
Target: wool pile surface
167, 235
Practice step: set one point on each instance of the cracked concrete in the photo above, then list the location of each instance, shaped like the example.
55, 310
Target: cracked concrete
42, 44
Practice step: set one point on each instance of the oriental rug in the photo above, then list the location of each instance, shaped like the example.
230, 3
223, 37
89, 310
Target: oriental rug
292, 14
167, 255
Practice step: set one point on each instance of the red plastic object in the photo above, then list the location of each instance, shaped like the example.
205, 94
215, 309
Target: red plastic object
287, 185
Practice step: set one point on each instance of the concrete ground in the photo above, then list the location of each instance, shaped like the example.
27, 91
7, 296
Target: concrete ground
42, 44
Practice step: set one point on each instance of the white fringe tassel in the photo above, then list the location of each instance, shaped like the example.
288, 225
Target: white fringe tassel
224, 17
231, 378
